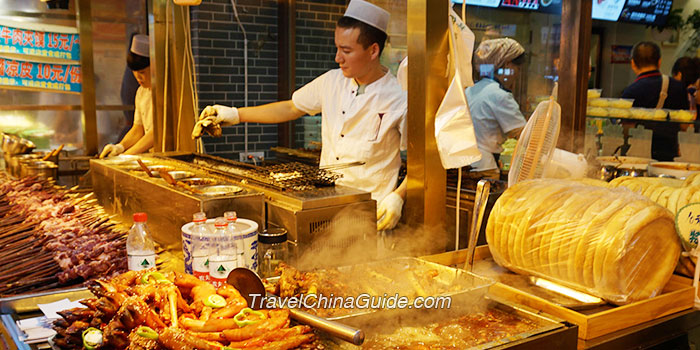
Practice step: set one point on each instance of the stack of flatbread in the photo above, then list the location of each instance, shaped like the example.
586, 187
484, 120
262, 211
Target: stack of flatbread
669, 193
611, 243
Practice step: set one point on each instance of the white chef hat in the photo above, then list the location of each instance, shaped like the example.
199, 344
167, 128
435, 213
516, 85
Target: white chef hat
498, 52
140, 45
368, 13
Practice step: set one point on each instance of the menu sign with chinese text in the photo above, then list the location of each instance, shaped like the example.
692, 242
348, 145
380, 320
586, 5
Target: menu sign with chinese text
40, 76
688, 225
38, 43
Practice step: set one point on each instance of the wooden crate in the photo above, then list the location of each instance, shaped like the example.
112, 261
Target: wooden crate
676, 296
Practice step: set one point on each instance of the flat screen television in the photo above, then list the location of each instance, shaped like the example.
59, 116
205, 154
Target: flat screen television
635, 11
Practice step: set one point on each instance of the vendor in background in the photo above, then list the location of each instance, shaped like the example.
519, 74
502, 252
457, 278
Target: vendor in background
139, 139
651, 89
363, 111
687, 72
495, 114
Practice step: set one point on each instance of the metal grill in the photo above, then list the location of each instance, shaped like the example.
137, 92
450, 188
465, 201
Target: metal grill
298, 176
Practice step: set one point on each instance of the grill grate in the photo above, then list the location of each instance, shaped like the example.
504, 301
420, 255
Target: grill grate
298, 176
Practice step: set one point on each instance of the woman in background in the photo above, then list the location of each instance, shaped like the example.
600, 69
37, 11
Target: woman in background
139, 139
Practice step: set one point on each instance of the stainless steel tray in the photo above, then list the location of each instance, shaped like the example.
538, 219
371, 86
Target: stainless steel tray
25, 306
401, 276
387, 321
28, 303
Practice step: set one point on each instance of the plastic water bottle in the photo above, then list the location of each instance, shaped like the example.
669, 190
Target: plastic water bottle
201, 247
140, 250
238, 239
224, 257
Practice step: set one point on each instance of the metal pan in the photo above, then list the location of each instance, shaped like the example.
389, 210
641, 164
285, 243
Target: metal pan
25, 306
385, 322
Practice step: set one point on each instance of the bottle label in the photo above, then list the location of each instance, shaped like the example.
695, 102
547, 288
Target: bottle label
141, 261
200, 268
219, 270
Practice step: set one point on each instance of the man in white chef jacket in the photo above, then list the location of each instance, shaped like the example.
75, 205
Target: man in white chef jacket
363, 111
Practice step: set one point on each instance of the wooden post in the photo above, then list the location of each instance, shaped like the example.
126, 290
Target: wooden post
87, 71
576, 23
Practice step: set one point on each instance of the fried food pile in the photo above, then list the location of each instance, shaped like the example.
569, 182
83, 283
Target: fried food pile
152, 310
397, 276
612, 243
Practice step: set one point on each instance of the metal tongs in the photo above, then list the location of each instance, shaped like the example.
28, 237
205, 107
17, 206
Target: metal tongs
145, 168
171, 181
483, 188
250, 286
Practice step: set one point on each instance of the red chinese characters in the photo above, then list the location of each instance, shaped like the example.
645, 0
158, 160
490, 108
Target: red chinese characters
25, 70
75, 77
39, 39
16, 36
11, 68
56, 73
28, 38
6, 34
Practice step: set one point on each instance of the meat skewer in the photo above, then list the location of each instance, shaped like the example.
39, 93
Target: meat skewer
52, 237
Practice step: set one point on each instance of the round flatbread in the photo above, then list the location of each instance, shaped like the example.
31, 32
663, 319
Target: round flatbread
566, 229
554, 227
643, 257
493, 225
619, 180
650, 189
497, 227
696, 198
615, 225
635, 185
582, 265
510, 209
673, 200
689, 181
569, 244
665, 195
536, 227
657, 193
538, 246
541, 198
685, 196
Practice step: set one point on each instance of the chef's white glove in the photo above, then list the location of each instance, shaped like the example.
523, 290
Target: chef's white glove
215, 115
389, 212
112, 150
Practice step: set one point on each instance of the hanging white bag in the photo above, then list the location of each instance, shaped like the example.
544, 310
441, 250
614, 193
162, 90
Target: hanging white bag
454, 130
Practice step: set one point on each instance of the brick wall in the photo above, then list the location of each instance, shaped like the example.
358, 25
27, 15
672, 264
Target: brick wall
217, 42
315, 53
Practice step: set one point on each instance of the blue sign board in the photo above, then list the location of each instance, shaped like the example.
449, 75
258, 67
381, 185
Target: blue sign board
40, 76
38, 43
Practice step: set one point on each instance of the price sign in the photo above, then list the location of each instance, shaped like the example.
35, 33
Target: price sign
39, 43
40, 76
688, 225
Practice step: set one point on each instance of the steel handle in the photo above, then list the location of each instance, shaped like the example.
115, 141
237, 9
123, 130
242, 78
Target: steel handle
347, 333
483, 188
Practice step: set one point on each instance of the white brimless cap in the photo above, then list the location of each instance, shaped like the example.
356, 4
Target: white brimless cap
140, 45
368, 13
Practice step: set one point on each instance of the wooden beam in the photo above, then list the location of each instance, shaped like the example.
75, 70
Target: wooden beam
576, 23
87, 71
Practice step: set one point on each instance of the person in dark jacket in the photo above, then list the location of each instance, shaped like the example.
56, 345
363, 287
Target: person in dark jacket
646, 91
